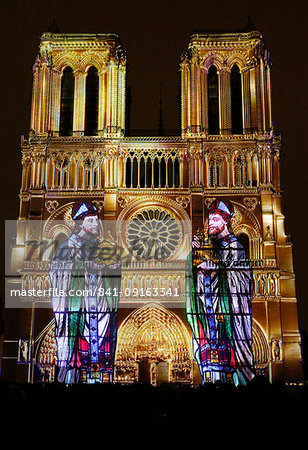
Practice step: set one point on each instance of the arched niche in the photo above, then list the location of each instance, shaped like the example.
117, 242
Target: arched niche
67, 102
150, 336
213, 100
91, 102
244, 238
260, 349
236, 100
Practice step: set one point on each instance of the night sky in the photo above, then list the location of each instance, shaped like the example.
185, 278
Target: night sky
153, 35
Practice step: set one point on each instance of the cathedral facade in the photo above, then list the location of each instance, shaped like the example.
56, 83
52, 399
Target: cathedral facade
77, 149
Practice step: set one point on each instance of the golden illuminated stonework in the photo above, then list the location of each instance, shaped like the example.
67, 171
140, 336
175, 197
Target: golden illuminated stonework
155, 187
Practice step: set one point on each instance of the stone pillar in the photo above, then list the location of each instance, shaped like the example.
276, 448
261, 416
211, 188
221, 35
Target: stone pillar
246, 101
102, 94
79, 103
55, 100
122, 76
185, 97
35, 95
269, 96
263, 111
225, 101
204, 101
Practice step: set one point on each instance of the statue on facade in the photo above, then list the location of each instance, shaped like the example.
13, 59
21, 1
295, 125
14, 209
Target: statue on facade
85, 277
219, 286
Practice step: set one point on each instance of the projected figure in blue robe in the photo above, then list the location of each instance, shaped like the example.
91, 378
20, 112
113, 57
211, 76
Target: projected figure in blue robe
86, 316
219, 288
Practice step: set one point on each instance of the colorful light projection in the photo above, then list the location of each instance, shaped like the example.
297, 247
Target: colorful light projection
219, 286
86, 316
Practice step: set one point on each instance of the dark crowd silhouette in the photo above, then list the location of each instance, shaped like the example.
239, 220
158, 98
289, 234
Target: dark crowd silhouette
95, 414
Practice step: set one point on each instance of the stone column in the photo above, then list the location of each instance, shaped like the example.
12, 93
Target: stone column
122, 76
269, 95
186, 118
225, 101
101, 102
55, 99
35, 95
263, 96
246, 100
79, 103
204, 101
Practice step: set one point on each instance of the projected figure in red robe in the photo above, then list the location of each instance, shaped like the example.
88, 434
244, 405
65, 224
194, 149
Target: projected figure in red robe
86, 316
218, 301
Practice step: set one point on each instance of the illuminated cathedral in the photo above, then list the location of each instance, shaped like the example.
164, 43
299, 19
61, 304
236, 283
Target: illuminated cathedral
77, 149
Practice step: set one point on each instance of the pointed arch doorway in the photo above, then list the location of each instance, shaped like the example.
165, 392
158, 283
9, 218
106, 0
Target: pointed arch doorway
153, 346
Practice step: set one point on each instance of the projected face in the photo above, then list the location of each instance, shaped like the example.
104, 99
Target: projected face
217, 224
90, 226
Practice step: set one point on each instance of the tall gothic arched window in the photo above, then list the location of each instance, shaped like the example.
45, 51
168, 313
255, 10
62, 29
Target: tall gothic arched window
239, 172
215, 172
162, 172
243, 238
170, 172
213, 100
147, 173
135, 173
156, 173
218, 174
67, 102
128, 173
142, 173
91, 111
236, 101
212, 172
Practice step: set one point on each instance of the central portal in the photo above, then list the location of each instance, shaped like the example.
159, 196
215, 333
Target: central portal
153, 347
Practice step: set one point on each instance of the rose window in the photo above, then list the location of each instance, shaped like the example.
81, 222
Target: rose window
153, 234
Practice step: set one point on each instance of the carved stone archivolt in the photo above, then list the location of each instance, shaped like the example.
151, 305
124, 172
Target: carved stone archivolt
150, 200
153, 334
249, 218
236, 218
260, 348
222, 63
238, 57
80, 61
213, 58
46, 354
